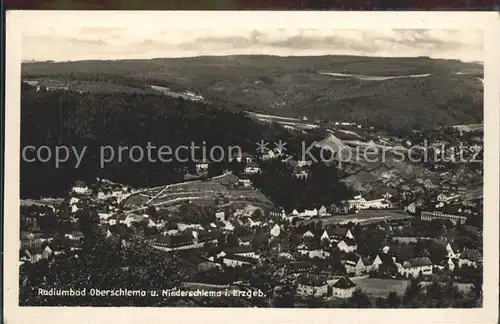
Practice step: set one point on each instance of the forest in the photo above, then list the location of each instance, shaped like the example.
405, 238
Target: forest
95, 120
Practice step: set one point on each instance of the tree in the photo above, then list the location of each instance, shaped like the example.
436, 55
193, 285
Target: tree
151, 211
414, 295
359, 300
393, 300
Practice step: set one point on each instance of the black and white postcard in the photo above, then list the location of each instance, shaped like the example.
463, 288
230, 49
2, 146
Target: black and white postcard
172, 163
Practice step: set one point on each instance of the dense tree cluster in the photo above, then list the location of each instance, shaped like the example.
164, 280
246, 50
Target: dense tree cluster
322, 187
108, 265
97, 120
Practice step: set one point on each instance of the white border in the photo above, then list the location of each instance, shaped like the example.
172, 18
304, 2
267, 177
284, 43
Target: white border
488, 22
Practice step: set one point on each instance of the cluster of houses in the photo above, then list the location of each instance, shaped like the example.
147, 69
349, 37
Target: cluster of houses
319, 286
36, 247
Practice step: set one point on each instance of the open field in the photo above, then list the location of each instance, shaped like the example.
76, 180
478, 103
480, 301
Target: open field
381, 287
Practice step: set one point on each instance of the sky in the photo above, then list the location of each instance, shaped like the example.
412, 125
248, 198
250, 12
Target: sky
69, 36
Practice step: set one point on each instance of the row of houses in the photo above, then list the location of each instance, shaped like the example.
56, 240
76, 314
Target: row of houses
318, 286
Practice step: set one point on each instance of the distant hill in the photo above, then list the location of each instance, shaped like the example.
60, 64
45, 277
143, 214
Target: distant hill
386, 92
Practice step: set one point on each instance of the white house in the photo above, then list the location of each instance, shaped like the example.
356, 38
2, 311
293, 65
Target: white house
415, 267
80, 188
357, 264
302, 163
275, 230
442, 198
269, 155
347, 245
323, 211
451, 252
411, 208
201, 167
343, 288
381, 203
254, 223
321, 254
311, 285
309, 213
357, 202
74, 201
220, 216
101, 195
308, 234
74, 208
382, 258
236, 261
252, 169
245, 183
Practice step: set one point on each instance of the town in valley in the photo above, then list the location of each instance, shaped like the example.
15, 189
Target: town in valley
358, 182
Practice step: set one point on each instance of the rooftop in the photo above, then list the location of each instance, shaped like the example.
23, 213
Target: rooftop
311, 280
344, 283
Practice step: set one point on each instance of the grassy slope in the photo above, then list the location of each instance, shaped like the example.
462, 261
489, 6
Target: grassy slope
292, 86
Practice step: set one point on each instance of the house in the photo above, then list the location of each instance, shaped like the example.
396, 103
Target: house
278, 213
455, 219
415, 267
202, 166
253, 223
411, 209
357, 265
303, 174
311, 285
343, 288
73, 201
246, 183
442, 198
182, 227
220, 216
381, 203
47, 252
357, 202
318, 253
118, 219
173, 241
322, 211
80, 188
428, 184
309, 213
382, 258
74, 235
238, 261
275, 230
337, 234
269, 155
308, 234
469, 258
303, 163
252, 169
347, 245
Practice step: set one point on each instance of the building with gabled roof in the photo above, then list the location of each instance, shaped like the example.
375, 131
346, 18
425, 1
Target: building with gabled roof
311, 285
347, 245
415, 267
343, 288
337, 234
